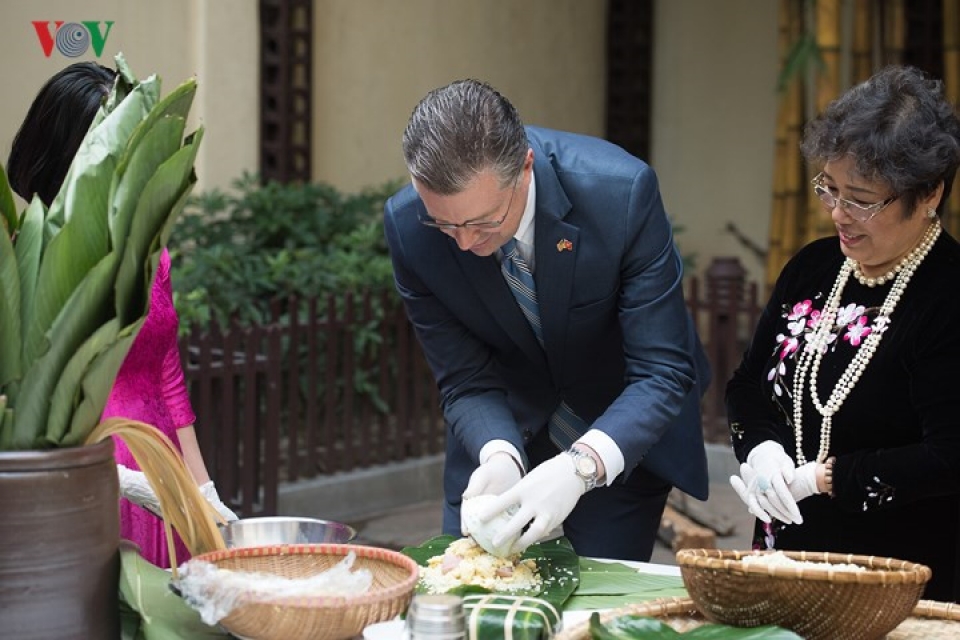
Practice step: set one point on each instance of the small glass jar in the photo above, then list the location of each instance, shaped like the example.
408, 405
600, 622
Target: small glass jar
435, 617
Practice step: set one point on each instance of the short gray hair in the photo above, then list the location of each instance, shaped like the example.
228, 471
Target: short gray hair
900, 129
460, 130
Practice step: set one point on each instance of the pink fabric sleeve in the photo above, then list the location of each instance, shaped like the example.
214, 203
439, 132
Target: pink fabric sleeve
174, 387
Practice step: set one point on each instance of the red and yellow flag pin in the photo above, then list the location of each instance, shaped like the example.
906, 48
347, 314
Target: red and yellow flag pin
564, 245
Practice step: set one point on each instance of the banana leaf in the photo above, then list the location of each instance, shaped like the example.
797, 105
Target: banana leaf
557, 562
632, 627
66, 395
96, 384
8, 210
157, 200
10, 328
86, 310
610, 585
29, 253
80, 210
152, 142
528, 618
6, 430
3, 415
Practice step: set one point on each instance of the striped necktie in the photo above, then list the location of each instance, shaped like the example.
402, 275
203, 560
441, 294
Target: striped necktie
565, 426
518, 276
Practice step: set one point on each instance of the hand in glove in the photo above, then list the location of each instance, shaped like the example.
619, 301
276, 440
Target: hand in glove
493, 477
804, 482
208, 491
544, 498
135, 488
764, 486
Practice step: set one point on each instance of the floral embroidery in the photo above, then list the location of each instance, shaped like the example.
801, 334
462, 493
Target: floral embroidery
857, 331
736, 431
853, 322
769, 538
878, 495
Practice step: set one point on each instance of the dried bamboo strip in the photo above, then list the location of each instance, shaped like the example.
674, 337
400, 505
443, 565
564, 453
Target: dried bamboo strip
183, 506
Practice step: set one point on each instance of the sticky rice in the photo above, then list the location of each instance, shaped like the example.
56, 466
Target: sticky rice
465, 563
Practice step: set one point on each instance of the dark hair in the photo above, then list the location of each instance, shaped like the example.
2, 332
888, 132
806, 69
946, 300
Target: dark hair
460, 130
899, 128
55, 125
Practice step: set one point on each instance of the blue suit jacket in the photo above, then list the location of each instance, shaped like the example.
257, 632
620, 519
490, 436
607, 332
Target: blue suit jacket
619, 345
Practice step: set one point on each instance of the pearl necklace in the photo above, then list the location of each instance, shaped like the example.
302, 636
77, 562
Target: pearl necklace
879, 280
812, 354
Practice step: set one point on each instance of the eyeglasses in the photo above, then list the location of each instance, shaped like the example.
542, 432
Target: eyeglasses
472, 224
857, 211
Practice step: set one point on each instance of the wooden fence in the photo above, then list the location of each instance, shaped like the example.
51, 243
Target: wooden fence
340, 384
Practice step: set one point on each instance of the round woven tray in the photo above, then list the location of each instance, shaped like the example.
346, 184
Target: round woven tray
809, 592
316, 617
930, 620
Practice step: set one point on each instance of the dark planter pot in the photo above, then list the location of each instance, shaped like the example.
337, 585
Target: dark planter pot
59, 537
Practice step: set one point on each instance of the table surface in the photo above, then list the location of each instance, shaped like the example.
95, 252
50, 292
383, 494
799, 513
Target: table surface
393, 629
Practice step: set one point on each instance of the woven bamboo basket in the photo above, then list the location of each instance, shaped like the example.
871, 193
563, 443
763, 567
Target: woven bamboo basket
930, 620
316, 617
817, 603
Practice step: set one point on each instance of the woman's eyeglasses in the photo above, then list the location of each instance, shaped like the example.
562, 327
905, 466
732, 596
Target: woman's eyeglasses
857, 211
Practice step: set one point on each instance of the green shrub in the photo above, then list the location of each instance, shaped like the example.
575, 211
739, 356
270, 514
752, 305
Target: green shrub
234, 253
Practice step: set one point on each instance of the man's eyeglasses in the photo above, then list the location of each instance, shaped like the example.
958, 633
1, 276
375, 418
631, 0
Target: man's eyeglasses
857, 211
472, 224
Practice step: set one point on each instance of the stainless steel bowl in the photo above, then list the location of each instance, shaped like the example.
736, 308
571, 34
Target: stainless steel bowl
258, 532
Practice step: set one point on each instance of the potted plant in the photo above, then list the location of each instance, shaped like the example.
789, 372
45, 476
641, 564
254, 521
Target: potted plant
74, 290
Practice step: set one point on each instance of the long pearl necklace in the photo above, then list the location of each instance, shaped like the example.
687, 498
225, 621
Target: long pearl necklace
811, 356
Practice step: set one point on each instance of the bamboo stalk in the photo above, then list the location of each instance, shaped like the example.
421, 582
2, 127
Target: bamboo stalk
951, 77
863, 28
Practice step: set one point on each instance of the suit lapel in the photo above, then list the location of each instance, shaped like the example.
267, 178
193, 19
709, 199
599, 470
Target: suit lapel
555, 246
484, 276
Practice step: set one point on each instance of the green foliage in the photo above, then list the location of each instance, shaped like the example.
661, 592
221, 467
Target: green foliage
74, 278
234, 253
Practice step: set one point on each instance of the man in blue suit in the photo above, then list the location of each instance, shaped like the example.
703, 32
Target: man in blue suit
574, 396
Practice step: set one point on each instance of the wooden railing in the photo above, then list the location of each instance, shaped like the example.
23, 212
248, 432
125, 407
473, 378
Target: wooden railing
340, 384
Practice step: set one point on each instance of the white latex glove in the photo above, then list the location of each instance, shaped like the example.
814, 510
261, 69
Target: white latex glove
544, 499
496, 475
208, 491
764, 486
135, 488
804, 482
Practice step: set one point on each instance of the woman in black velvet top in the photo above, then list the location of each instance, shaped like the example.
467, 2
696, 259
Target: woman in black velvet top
845, 411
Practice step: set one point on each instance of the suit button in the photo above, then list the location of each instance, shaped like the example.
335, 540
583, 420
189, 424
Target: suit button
527, 434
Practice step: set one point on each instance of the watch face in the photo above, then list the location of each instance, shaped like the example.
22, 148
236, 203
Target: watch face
586, 465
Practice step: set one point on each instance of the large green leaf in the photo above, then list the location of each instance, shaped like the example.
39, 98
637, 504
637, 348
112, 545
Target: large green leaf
610, 585
29, 251
10, 329
632, 627
86, 309
87, 181
96, 385
557, 563
160, 195
66, 395
77, 219
153, 141
6, 430
8, 210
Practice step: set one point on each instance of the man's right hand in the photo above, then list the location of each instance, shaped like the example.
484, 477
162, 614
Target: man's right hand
135, 488
500, 472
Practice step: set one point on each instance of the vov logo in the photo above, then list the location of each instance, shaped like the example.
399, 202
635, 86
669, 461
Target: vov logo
72, 38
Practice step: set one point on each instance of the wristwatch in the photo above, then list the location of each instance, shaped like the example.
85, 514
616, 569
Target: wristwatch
586, 468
